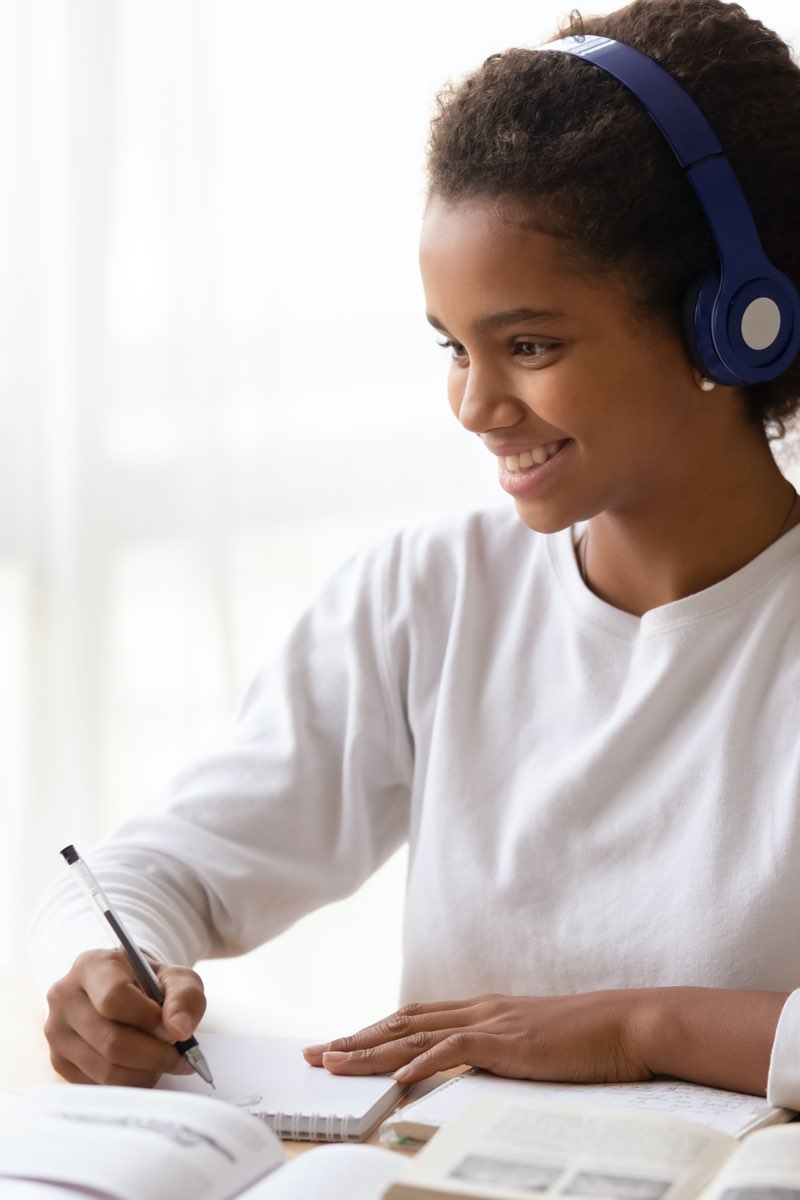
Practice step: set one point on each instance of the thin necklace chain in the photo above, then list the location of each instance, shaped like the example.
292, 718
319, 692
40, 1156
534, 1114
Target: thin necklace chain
583, 541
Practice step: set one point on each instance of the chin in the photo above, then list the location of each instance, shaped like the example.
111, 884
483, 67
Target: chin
542, 522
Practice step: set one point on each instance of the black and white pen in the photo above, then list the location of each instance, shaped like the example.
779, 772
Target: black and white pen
144, 973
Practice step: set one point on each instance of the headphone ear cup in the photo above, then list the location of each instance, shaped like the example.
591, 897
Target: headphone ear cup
722, 333
700, 330
689, 317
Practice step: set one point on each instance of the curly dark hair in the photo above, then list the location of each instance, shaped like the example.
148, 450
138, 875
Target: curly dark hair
578, 146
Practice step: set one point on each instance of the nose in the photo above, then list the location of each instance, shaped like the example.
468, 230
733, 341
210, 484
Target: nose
480, 400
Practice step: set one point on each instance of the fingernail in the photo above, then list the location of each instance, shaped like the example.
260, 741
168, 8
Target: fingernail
334, 1056
403, 1073
315, 1049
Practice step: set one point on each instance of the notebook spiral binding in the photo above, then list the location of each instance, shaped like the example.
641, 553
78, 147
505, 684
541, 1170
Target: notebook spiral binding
311, 1127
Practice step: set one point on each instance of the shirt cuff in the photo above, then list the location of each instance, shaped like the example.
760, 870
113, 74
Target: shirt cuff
783, 1082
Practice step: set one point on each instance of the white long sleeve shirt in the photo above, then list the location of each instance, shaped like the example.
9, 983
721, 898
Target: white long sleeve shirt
591, 799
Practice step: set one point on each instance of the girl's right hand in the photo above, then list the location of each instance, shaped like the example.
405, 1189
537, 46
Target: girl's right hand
102, 1028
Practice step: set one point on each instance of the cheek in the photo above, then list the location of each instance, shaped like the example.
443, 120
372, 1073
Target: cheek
556, 398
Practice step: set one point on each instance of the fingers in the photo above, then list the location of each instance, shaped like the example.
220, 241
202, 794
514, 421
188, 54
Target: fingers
103, 1029
184, 1001
418, 1057
105, 979
118, 1058
395, 1055
490, 1051
408, 1021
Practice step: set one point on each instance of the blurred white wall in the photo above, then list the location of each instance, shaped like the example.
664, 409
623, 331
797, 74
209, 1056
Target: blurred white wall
216, 382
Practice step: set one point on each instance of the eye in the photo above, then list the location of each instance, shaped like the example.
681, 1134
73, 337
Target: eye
531, 349
458, 352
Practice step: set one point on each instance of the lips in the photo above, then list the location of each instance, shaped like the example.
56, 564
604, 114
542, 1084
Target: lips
534, 482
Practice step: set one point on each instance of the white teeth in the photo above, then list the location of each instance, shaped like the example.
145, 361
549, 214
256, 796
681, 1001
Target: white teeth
529, 458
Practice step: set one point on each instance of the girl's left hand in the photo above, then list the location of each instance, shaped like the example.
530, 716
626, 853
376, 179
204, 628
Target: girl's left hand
595, 1037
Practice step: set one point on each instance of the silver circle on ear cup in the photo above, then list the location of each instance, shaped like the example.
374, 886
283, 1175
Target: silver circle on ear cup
761, 323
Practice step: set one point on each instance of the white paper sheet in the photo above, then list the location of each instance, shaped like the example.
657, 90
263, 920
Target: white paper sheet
331, 1173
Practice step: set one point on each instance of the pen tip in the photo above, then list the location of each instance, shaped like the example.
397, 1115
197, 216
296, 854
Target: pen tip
70, 854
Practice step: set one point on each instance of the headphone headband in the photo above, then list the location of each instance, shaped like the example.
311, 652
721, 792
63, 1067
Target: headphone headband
673, 110
746, 326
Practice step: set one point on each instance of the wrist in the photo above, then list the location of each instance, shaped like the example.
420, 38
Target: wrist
659, 1031
717, 1036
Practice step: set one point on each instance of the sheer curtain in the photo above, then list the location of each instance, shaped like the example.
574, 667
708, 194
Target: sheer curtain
216, 384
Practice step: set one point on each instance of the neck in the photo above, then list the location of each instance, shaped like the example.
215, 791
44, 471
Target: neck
683, 543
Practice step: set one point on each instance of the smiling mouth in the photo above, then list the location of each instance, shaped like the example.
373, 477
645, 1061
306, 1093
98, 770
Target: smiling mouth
515, 464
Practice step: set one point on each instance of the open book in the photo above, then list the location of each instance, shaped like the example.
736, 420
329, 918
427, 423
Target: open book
269, 1077
67, 1140
64, 1141
504, 1149
131, 1144
730, 1112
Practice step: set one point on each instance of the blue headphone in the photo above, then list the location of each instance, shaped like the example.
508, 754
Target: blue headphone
743, 320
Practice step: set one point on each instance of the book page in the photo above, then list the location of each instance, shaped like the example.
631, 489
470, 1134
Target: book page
134, 1144
331, 1173
730, 1112
507, 1150
766, 1165
31, 1189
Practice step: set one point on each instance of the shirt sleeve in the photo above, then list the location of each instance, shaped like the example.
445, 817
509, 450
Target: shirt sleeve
783, 1082
308, 795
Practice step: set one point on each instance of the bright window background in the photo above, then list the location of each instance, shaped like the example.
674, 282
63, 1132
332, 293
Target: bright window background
216, 383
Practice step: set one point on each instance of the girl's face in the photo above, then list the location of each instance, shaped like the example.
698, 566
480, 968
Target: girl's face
587, 406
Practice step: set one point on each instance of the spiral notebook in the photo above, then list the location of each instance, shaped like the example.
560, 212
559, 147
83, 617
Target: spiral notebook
269, 1078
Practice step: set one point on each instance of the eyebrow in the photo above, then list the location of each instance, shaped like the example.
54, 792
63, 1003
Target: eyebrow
509, 316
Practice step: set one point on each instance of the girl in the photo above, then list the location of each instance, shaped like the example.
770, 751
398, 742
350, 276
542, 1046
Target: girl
581, 715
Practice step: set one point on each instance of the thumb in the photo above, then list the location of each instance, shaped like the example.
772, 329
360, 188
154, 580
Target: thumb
184, 1001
